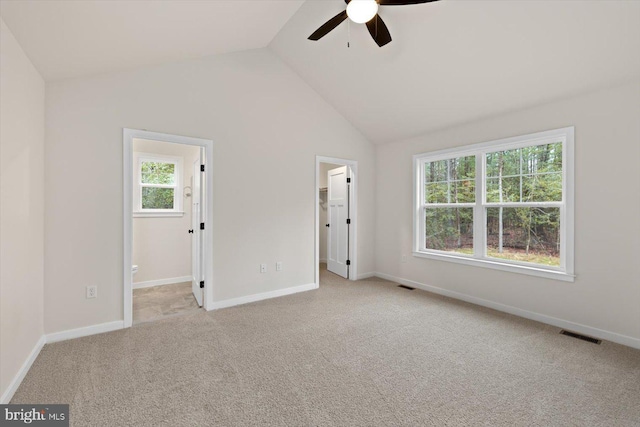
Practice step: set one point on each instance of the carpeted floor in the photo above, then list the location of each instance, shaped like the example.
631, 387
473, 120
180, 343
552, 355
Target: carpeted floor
150, 304
348, 354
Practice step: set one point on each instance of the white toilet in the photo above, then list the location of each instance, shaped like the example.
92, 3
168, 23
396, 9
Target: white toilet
134, 270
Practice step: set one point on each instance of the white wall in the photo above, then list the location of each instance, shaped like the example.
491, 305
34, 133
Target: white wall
22, 94
162, 246
267, 126
606, 292
323, 209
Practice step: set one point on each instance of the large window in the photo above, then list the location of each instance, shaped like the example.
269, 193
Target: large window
157, 182
505, 204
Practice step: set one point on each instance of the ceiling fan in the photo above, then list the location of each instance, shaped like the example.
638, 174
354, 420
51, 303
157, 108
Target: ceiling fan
364, 11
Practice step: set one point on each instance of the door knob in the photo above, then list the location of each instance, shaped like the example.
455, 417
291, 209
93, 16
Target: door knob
191, 231
326, 225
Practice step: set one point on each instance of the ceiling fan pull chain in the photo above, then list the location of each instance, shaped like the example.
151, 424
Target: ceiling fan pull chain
348, 33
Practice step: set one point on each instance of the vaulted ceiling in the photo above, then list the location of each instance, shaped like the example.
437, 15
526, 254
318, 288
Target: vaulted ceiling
66, 39
450, 61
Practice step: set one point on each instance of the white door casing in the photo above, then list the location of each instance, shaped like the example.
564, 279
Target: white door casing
206, 212
338, 212
196, 240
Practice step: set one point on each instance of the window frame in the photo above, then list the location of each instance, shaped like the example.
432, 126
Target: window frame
138, 211
565, 271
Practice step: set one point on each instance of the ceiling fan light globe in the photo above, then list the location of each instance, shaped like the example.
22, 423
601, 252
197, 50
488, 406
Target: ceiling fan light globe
361, 11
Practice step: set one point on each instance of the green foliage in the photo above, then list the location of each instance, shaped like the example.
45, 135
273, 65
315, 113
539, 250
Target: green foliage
157, 198
157, 173
161, 173
451, 181
527, 230
448, 228
529, 174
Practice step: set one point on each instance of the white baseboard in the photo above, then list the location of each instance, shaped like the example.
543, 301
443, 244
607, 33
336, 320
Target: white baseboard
83, 332
159, 282
543, 318
22, 372
262, 296
366, 275
51, 338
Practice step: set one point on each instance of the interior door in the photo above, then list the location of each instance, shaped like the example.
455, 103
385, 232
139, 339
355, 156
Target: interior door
338, 233
197, 236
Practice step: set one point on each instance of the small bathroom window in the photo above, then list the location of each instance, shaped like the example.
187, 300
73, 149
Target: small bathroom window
158, 189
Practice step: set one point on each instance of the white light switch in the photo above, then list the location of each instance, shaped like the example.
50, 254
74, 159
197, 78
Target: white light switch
279, 266
263, 268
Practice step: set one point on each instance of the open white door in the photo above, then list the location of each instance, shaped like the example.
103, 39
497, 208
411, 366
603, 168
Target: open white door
197, 239
338, 214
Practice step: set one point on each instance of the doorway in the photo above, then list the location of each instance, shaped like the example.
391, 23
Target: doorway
336, 213
167, 205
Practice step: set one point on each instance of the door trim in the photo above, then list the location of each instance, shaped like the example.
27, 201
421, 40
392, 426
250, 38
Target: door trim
353, 213
128, 135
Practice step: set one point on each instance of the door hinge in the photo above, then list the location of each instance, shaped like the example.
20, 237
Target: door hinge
348, 262
348, 180
201, 284
202, 226
201, 168
348, 220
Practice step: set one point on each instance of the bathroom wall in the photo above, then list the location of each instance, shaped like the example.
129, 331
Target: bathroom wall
162, 246
323, 208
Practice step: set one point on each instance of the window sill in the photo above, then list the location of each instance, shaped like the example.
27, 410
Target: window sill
173, 214
497, 265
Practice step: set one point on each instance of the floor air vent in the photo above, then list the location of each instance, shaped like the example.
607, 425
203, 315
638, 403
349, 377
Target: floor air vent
406, 287
580, 337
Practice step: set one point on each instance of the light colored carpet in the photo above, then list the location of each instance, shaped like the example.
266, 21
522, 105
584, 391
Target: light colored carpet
348, 354
150, 304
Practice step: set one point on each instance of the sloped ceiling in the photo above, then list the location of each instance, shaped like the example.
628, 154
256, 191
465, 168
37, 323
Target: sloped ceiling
66, 39
452, 62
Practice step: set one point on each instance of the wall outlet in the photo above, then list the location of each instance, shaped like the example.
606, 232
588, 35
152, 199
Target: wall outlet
279, 266
92, 291
263, 268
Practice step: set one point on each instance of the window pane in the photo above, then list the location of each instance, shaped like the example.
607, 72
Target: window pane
450, 181
157, 198
463, 192
436, 193
542, 158
542, 188
503, 163
528, 234
435, 171
463, 167
510, 190
157, 173
538, 169
449, 229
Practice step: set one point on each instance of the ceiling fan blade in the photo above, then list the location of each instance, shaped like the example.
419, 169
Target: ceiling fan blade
328, 26
402, 2
379, 31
